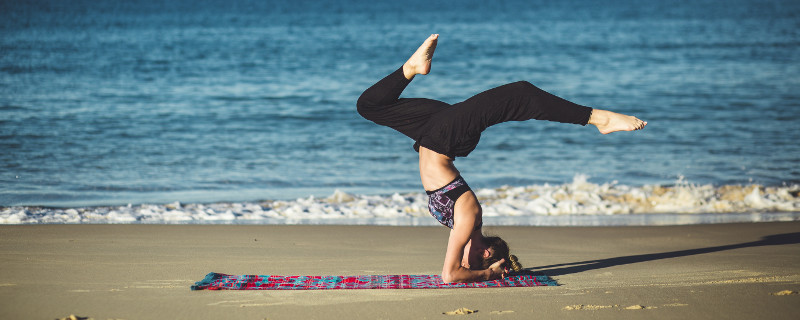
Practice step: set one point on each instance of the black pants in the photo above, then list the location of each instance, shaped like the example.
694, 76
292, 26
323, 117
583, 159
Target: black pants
454, 130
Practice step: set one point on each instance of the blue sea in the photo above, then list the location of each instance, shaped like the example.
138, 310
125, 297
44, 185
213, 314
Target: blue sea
111, 103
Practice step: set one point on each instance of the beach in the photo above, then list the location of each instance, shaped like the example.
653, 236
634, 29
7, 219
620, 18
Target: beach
146, 144
135, 271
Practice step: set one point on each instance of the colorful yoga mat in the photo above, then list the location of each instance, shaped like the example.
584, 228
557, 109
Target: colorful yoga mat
219, 281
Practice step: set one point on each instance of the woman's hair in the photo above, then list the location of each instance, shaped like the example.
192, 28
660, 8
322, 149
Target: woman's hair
500, 251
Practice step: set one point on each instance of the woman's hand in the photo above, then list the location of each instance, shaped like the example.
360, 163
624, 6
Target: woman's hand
496, 271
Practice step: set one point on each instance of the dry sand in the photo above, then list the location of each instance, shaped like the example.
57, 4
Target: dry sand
731, 271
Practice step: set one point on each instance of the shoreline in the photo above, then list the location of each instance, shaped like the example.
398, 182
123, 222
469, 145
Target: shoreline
565, 220
138, 271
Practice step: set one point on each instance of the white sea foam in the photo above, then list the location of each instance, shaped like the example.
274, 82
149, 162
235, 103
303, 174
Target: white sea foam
506, 205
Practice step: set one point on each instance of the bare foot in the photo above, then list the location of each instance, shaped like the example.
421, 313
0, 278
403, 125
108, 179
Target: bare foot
608, 122
420, 61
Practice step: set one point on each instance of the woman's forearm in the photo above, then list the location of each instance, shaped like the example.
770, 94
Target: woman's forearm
466, 275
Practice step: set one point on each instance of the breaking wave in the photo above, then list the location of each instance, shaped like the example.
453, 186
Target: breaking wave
524, 205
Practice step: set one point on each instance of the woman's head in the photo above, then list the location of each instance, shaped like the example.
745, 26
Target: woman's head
498, 249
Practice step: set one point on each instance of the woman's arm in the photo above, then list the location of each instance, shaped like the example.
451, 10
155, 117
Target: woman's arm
467, 210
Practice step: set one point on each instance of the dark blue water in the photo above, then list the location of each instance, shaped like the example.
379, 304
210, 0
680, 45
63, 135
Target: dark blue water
110, 102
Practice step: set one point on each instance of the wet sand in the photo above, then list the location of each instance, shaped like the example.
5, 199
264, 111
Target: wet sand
726, 271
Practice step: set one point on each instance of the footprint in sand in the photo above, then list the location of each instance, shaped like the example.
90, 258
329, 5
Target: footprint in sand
676, 304
74, 317
587, 307
636, 307
784, 293
459, 312
502, 312
596, 307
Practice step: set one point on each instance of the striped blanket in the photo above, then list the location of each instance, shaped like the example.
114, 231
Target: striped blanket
219, 281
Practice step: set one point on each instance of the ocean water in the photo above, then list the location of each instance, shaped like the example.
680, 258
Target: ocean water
199, 110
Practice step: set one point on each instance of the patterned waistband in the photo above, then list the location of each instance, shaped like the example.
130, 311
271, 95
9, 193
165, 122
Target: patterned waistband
457, 182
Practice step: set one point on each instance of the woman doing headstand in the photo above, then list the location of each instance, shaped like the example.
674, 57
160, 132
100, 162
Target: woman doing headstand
443, 132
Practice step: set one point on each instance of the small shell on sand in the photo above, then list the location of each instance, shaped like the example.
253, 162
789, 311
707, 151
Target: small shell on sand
784, 293
459, 311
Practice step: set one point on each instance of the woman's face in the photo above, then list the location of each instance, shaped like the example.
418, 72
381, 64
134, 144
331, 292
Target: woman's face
475, 256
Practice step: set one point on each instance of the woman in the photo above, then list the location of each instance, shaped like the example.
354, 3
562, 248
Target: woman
443, 132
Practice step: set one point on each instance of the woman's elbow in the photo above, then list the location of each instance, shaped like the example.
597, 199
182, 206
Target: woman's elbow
447, 277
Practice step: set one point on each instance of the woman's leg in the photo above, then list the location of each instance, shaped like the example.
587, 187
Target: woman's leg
383, 93
521, 101
381, 103
387, 91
